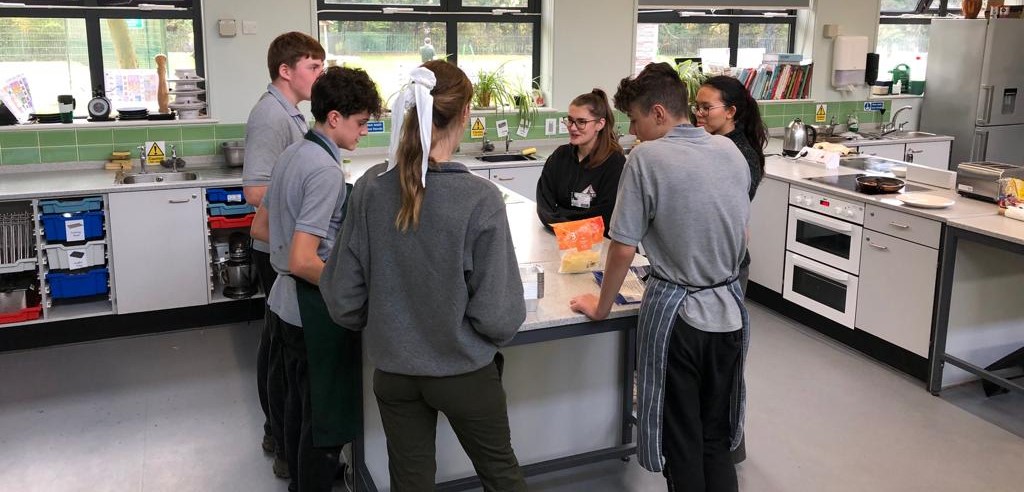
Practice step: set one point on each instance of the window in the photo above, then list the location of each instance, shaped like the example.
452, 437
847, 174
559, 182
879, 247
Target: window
903, 33
78, 47
723, 37
388, 38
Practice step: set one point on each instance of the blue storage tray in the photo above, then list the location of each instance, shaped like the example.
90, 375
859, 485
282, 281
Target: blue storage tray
68, 285
225, 195
75, 205
54, 230
225, 209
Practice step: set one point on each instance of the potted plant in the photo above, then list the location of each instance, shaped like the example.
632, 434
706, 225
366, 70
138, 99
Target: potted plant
491, 89
691, 75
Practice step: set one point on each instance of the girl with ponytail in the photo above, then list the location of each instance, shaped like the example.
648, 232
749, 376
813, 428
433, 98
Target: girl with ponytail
426, 269
725, 107
580, 179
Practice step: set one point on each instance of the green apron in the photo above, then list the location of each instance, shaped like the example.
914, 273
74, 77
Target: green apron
334, 359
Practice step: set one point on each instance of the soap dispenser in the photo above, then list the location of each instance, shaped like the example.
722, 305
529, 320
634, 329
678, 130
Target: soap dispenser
852, 124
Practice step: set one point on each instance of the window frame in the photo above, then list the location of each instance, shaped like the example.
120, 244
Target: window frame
922, 14
733, 17
93, 12
450, 12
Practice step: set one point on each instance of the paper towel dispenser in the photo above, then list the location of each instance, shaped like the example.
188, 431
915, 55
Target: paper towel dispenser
849, 61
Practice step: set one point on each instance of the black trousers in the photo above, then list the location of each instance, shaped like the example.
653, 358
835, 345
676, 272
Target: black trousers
695, 428
312, 468
477, 410
269, 369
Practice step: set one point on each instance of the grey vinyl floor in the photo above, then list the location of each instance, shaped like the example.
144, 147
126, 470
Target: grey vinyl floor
178, 412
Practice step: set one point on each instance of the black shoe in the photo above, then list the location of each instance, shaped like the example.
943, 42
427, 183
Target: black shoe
268, 444
281, 468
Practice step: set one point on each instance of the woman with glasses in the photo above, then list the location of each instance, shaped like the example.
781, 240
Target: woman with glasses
580, 179
725, 107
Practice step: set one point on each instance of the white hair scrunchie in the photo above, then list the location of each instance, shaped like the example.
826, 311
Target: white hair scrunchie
416, 92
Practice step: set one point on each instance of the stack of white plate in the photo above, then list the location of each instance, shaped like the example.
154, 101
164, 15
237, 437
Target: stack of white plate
186, 92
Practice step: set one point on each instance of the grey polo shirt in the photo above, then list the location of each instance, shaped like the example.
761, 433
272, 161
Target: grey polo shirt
684, 197
274, 124
307, 190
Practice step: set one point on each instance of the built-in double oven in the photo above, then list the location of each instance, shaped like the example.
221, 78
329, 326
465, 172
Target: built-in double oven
823, 241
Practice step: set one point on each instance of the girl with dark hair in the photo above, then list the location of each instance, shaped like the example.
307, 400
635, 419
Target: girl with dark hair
580, 179
440, 292
725, 107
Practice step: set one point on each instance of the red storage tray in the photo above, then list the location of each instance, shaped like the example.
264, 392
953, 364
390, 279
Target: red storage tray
27, 314
231, 222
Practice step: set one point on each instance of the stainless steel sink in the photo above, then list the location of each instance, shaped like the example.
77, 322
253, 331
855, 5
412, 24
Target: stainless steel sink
909, 134
505, 157
158, 177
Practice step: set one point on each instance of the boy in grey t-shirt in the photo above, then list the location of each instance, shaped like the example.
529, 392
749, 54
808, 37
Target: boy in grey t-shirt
683, 194
294, 60
301, 215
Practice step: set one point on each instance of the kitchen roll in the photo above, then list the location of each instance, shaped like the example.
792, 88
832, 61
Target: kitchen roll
849, 60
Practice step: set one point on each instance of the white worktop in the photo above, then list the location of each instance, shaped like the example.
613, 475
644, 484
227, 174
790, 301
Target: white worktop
796, 172
996, 226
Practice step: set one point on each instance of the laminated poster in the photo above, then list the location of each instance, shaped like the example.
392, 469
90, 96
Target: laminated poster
15, 95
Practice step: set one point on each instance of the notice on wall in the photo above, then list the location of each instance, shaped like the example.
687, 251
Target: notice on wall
550, 126
74, 230
375, 127
646, 45
820, 112
502, 127
155, 153
478, 127
523, 130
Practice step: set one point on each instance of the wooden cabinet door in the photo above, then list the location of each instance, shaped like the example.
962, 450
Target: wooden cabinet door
768, 214
158, 249
931, 154
897, 291
522, 180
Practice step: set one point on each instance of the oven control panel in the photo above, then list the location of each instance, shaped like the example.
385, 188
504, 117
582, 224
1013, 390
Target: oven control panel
828, 205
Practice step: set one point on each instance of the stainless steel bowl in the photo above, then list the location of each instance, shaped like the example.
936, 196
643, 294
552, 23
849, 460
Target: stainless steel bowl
234, 152
13, 300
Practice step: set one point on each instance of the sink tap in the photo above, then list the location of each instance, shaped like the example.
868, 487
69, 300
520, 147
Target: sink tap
508, 140
486, 145
890, 127
174, 158
142, 159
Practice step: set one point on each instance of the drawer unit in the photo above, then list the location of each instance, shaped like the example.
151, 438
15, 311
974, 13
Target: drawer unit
902, 225
71, 205
63, 257
70, 285
225, 195
226, 209
27, 314
58, 227
231, 222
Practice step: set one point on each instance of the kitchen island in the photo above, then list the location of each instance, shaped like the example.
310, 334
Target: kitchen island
878, 293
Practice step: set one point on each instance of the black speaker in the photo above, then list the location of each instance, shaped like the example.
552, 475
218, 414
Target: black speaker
871, 69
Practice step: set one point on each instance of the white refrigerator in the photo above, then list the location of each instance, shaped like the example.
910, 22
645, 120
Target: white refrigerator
975, 88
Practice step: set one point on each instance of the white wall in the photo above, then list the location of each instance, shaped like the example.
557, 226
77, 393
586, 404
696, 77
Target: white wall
236, 68
588, 44
857, 18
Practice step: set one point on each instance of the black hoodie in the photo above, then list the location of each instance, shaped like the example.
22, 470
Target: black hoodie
568, 190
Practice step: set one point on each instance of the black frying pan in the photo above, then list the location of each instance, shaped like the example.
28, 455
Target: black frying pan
878, 185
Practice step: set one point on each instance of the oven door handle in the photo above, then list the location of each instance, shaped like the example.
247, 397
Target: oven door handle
811, 266
822, 220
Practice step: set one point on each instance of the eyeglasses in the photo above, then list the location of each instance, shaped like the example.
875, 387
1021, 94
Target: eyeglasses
704, 110
578, 123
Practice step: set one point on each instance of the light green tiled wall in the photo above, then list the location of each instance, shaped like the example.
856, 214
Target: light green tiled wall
778, 115
96, 144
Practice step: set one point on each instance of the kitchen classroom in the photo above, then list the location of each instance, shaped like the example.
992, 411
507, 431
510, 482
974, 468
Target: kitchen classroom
615, 245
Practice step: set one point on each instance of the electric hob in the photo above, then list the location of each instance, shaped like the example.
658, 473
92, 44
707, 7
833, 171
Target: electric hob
849, 182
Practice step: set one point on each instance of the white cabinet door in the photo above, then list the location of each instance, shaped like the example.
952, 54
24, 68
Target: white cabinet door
889, 151
522, 180
158, 249
768, 234
931, 154
897, 290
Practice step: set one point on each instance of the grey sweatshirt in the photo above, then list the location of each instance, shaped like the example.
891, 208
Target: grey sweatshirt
434, 301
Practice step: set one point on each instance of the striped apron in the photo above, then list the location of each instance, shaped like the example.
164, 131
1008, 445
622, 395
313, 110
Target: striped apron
657, 315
